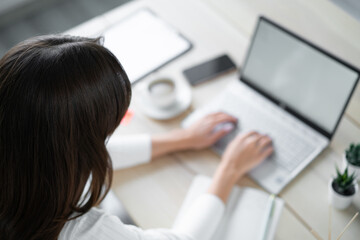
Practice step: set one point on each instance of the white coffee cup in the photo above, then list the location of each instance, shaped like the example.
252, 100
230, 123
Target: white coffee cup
162, 92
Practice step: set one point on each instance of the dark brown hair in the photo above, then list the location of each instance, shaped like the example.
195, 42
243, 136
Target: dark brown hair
60, 98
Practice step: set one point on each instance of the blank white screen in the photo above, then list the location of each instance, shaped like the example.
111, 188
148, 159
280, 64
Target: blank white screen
310, 82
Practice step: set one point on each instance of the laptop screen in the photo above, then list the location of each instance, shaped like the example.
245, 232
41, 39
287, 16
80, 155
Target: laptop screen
299, 76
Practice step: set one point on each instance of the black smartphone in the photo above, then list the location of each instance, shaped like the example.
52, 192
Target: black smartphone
209, 69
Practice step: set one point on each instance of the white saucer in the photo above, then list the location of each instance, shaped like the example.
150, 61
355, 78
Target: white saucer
182, 103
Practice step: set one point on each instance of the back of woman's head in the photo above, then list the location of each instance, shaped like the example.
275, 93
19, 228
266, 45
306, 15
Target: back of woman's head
60, 98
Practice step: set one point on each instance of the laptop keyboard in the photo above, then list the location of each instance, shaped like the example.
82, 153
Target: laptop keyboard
290, 148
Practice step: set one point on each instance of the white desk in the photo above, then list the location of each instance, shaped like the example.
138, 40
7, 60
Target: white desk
153, 193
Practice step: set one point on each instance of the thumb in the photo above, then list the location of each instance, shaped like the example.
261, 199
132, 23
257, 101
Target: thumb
220, 133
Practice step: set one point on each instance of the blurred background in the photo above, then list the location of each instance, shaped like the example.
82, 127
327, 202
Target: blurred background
21, 19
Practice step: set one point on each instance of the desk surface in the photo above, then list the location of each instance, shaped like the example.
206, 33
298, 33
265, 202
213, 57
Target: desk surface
153, 193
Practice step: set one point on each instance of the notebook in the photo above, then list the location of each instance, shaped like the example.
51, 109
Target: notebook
143, 43
246, 211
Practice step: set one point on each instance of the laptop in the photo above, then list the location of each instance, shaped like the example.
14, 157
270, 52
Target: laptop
291, 90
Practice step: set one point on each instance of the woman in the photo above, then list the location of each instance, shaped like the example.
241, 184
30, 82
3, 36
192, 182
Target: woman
61, 97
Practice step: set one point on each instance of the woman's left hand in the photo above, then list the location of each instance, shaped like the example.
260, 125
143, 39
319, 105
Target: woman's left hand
202, 133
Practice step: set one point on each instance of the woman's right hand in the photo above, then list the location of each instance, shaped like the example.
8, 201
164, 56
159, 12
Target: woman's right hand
244, 153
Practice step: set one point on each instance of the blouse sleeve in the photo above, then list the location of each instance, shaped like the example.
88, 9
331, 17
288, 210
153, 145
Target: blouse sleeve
129, 151
198, 223
202, 217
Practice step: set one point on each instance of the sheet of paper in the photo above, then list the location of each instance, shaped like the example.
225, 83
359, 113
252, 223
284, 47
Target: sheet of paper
245, 211
143, 42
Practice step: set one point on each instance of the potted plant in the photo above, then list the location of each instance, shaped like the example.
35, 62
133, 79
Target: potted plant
352, 159
342, 189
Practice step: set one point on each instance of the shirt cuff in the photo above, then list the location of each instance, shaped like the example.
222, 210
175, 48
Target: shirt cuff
202, 218
129, 151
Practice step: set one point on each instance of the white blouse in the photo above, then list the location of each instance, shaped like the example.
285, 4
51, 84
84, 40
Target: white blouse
198, 223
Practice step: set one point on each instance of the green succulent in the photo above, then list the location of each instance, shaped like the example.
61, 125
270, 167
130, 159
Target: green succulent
344, 183
353, 154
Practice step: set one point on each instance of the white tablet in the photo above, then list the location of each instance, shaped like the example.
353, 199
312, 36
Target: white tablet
143, 43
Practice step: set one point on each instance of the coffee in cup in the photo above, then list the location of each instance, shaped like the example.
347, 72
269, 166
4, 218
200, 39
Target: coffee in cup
162, 92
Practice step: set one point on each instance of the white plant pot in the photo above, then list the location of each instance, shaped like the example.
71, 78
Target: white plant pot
340, 201
356, 200
351, 168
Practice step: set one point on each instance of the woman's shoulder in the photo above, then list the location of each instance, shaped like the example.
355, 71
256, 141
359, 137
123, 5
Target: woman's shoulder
92, 225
